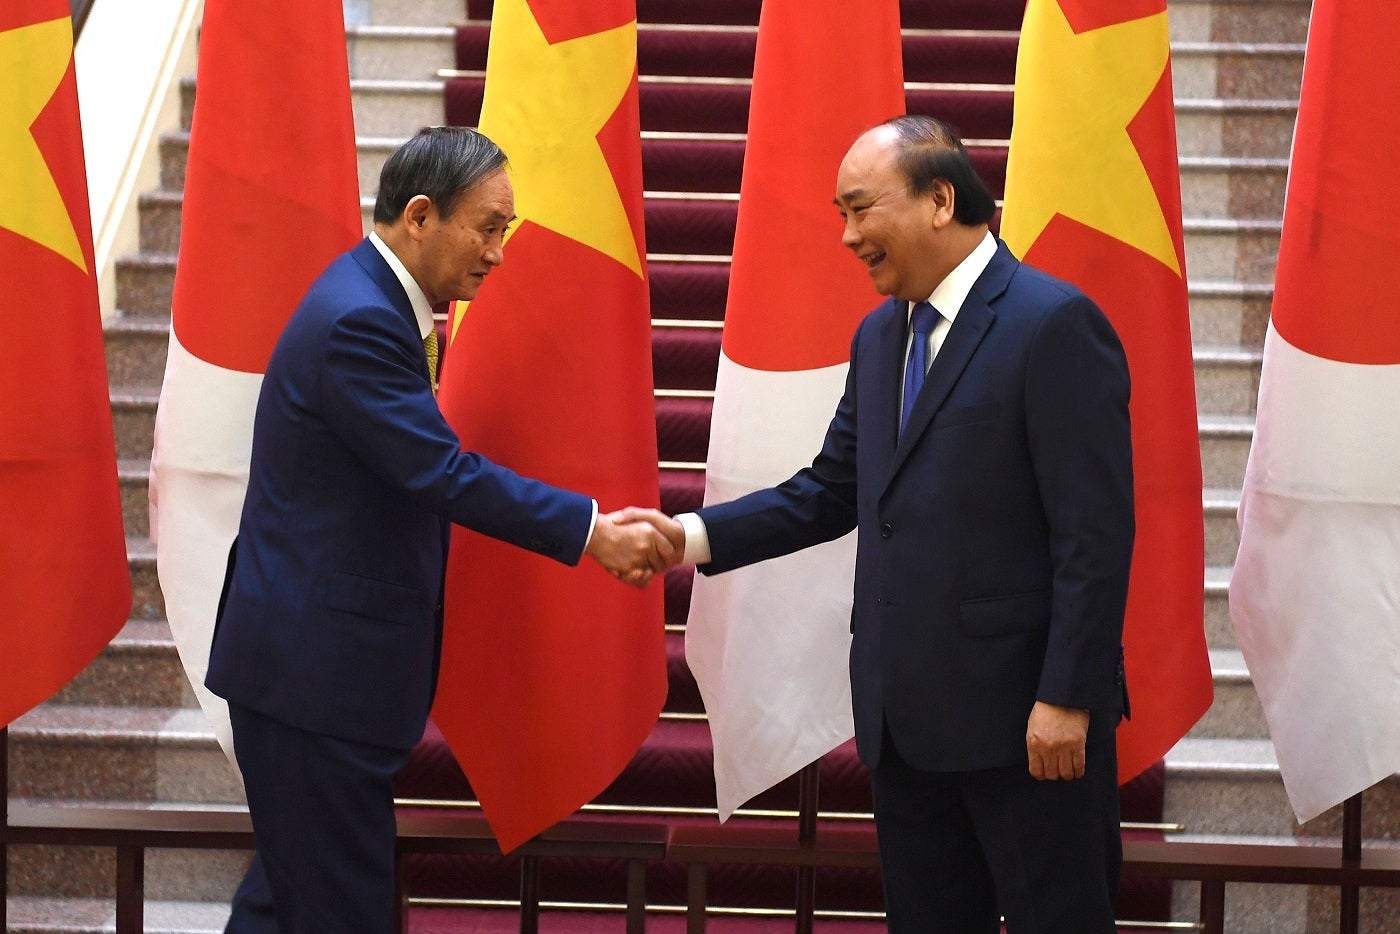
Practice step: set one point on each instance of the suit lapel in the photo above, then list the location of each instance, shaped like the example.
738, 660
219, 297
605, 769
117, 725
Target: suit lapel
889, 366
369, 259
973, 321
379, 272
969, 327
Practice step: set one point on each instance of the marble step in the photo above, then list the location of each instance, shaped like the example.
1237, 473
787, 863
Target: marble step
404, 12
1228, 313
398, 51
74, 875
147, 602
1233, 187
1220, 632
1221, 507
1231, 786
1237, 127
133, 477
1236, 712
135, 348
145, 283
1204, 69
1259, 21
138, 668
100, 753
381, 107
50, 915
1227, 380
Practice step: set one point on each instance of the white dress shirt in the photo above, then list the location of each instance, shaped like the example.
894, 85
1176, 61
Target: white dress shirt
422, 310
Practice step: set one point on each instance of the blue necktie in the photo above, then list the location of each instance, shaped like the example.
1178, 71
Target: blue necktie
921, 322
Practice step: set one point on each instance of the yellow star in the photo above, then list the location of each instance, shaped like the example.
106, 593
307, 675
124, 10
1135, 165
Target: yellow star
544, 106
1070, 150
35, 60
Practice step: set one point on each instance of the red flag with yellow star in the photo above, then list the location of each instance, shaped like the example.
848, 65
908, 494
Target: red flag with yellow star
66, 590
552, 676
1093, 196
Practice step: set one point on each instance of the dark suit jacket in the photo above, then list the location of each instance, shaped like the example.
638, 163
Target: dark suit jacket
331, 618
995, 534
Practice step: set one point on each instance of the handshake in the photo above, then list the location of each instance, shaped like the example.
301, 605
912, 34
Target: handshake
634, 545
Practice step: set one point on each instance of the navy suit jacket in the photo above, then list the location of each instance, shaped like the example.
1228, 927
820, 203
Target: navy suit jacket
331, 617
995, 534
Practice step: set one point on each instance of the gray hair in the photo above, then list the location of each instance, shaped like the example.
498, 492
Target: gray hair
440, 162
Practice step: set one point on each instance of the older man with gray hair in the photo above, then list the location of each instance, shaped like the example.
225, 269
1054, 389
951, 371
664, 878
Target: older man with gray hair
330, 625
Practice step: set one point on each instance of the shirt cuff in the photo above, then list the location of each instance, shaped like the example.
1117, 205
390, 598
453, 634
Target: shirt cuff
697, 539
592, 524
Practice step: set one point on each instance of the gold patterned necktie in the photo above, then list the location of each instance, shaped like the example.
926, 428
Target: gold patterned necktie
430, 347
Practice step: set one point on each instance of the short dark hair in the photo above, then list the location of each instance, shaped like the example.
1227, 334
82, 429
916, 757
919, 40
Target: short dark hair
441, 162
930, 149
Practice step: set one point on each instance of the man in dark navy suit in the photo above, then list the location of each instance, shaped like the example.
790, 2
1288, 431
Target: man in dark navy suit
330, 625
982, 451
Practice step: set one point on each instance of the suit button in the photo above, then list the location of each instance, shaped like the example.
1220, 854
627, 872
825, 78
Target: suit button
886, 530
879, 601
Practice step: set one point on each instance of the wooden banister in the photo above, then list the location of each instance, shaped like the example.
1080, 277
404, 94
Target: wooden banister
454, 832
132, 831
1213, 864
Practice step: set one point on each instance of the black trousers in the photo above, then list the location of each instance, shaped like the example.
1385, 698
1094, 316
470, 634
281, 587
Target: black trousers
958, 849
323, 814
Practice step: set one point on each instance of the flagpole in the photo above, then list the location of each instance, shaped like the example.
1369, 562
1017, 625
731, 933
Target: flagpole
808, 782
4, 826
1351, 854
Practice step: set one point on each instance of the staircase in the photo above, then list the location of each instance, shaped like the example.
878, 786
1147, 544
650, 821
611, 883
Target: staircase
128, 728
1237, 67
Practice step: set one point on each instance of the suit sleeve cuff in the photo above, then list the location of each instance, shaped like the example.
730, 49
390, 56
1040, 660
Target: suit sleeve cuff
697, 539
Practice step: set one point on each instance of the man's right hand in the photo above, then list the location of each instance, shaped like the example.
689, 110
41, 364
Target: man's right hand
634, 544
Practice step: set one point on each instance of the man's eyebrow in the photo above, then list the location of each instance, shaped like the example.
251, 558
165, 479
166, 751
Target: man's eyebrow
852, 195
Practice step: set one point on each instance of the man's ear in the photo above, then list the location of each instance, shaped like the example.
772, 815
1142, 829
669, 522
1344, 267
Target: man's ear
944, 201
417, 213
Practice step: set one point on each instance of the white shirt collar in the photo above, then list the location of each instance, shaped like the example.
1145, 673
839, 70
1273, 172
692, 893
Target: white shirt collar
421, 309
950, 294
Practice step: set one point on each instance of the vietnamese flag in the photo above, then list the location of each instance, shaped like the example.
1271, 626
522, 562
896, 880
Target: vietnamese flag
768, 644
1315, 590
271, 197
1093, 196
66, 590
551, 676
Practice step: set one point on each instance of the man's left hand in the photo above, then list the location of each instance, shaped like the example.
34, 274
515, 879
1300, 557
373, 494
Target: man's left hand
1055, 738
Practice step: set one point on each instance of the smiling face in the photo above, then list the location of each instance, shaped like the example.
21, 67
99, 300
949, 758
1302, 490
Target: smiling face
455, 253
898, 236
